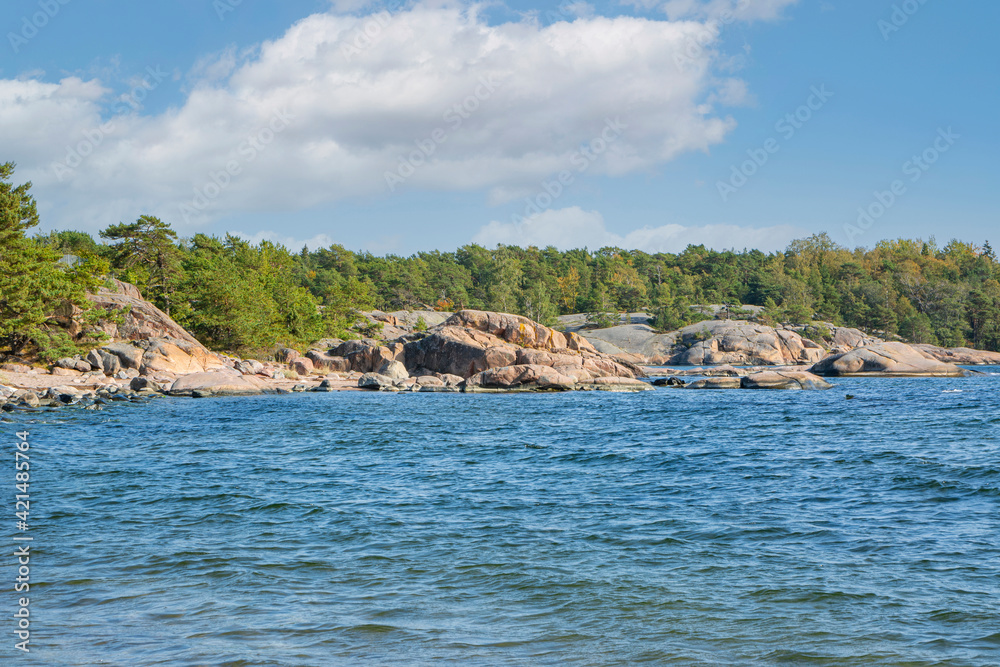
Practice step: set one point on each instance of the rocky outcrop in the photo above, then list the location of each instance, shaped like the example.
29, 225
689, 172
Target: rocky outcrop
519, 331
375, 381
845, 339
466, 351
613, 383
742, 343
489, 352
302, 366
637, 339
764, 380
104, 361
325, 362
129, 356
522, 377
250, 367
459, 351
893, 359
402, 322
366, 356
74, 363
179, 357
140, 320
961, 355
215, 384
784, 380
712, 342
394, 370
715, 383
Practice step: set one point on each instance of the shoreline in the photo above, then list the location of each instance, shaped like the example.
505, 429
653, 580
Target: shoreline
37, 390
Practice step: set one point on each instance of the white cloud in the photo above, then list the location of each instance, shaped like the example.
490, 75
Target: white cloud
573, 227
358, 104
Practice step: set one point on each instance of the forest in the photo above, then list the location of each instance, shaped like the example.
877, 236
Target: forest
241, 297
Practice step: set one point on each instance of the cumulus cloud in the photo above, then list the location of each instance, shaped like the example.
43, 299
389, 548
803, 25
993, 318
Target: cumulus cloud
498, 107
573, 227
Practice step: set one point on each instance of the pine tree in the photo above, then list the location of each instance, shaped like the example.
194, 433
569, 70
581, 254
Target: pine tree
33, 285
146, 253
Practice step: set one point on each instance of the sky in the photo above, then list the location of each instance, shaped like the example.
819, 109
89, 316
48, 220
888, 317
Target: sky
396, 127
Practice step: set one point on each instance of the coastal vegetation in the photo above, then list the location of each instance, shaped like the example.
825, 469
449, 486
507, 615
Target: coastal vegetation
240, 296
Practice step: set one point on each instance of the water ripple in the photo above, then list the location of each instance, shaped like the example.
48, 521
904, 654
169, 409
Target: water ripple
671, 527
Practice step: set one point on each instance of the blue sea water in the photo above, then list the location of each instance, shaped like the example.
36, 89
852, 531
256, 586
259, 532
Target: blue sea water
665, 528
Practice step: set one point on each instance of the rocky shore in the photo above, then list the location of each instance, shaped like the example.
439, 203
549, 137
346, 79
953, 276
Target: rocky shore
468, 351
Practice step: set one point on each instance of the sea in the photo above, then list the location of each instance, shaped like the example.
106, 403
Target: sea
669, 527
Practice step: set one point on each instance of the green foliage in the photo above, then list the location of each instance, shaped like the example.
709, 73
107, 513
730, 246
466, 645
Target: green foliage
818, 333
421, 324
35, 289
240, 297
144, 253
603, 320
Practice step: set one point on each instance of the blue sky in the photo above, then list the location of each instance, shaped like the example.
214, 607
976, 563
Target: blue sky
698, 91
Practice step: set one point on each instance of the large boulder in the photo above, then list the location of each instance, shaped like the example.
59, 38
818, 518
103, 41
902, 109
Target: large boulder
375, 381
250, 367
74, 363
459, 351
741, 343
471, 342
784, 380
286, 355
178, 356
104, 361
891, 358
328, 363
303, 365
365, 356
129, 356
526, 377
716, 383
217, 383
394, 370
845, 339
582, 366
519, 330
712, 342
